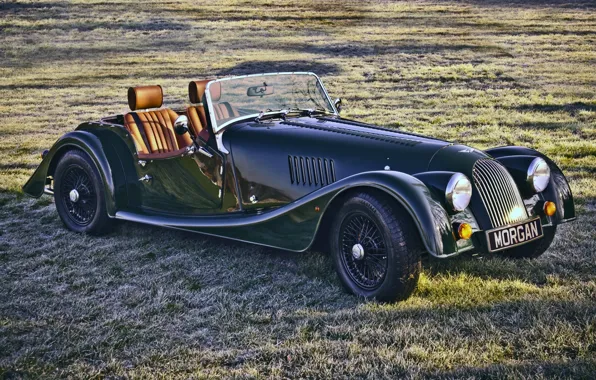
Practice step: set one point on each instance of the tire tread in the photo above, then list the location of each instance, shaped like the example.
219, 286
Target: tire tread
407, 246
101, 223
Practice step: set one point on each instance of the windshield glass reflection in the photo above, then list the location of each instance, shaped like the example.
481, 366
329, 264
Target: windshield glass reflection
252, 95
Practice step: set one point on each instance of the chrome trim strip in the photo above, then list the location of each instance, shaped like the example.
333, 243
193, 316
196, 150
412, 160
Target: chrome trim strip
220, 145
498, 192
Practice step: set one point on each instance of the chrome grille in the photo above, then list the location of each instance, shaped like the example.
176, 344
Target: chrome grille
498, 193
311, 171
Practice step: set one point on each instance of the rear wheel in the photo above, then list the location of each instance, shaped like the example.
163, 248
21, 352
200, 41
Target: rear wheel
79, 194
376, 248
535, 248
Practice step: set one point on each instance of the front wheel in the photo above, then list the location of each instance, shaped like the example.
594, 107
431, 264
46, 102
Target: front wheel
79, 194
376, 248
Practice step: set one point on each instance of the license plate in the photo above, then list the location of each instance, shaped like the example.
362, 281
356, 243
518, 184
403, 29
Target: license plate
511, 236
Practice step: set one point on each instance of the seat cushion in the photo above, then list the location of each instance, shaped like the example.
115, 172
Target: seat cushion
198, 121
158, 128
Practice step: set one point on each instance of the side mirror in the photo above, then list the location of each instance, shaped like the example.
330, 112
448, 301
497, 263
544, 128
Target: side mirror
337, 104
181, 125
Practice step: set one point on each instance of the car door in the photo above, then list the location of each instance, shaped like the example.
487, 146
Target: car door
186, 184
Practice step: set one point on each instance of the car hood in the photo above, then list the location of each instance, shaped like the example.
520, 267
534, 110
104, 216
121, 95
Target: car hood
355, 147
456, 158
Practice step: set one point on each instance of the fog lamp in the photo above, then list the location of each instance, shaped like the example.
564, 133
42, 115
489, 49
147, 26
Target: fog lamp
464, 231
549, 208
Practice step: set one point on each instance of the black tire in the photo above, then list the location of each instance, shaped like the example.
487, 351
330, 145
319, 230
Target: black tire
389, 267
535, 248
76, 171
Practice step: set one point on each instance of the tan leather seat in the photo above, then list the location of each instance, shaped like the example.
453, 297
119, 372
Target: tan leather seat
223, 110
153, 130
196, 112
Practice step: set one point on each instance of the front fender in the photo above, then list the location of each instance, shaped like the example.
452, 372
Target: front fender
558, 189
429, 216
88, 143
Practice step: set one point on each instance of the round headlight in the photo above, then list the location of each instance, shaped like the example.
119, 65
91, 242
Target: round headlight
538, 174
458, 192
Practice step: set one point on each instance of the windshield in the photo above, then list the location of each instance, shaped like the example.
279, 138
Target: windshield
233, 98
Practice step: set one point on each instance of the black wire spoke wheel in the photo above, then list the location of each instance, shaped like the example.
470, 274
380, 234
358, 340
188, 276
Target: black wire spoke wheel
363, 250
375, 247
78, 195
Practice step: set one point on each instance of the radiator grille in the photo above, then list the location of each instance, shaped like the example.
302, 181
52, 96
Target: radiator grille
499, 193
308, 171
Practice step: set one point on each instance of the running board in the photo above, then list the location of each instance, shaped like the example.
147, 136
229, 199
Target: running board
292, 226
190, 222
285, 229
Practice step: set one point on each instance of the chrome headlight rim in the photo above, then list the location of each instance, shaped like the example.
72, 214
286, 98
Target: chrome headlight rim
458, 193
538, 175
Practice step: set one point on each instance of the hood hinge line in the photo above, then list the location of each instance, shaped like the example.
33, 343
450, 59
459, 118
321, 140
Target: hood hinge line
346, 131
386, 129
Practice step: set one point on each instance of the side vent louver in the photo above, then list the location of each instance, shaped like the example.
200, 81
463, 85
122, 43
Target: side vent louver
309, 171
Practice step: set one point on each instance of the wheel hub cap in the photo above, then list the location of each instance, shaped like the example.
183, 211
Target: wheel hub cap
358, 251
74, 195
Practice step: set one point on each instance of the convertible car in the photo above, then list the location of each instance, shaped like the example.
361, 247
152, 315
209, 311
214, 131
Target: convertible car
267, 159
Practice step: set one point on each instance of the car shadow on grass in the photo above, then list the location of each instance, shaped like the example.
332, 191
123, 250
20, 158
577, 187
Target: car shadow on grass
568, 258
315, 267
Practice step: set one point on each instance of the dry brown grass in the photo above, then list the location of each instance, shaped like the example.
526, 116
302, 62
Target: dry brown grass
146, 302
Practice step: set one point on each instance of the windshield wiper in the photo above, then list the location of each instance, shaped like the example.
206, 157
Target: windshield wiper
270, 113
311, 112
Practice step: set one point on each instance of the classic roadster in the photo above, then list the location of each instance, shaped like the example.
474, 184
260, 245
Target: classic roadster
267, 159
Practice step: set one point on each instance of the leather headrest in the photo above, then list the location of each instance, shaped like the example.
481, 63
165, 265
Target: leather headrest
215, 91
196, 90
143, 97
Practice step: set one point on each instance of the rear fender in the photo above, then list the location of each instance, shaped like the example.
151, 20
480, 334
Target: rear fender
86, 142
558, 189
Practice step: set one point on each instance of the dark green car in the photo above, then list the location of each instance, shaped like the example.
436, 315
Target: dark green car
267, 159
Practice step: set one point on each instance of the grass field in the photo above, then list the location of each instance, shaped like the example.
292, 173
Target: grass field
147, 302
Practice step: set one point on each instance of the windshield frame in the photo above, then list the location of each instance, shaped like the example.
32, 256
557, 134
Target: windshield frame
217, 129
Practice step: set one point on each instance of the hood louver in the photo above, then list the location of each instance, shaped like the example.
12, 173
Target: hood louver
309, 171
